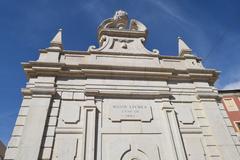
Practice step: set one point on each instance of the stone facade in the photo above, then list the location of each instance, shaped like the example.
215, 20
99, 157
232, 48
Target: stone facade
120, 102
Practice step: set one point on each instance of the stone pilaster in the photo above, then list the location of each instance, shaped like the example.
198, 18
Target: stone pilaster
89, 134
34, 128
172, 132
221, 147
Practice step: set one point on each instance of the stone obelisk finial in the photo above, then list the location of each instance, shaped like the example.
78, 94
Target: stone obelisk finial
56, 42
183, 48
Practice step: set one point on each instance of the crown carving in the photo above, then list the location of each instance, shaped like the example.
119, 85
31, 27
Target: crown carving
121, 35
120, 25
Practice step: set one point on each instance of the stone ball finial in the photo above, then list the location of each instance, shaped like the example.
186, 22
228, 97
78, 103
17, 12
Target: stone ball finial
121, 19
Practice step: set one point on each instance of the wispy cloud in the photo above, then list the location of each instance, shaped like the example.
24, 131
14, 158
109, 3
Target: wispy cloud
211, 41
172, 11
234, 85
94, 8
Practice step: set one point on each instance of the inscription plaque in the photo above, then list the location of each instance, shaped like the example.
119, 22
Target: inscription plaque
131, 113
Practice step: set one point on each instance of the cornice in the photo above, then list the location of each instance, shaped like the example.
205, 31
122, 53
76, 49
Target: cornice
75, 52
153, 54
127, 93
34, 69
38, 91
210, 95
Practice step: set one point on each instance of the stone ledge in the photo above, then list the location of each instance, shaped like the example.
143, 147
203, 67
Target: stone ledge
38, 91
127, 93
211, 95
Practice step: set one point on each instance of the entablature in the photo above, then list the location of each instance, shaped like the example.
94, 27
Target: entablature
34, 68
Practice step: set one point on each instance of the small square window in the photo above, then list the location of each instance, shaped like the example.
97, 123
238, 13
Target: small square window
230, 104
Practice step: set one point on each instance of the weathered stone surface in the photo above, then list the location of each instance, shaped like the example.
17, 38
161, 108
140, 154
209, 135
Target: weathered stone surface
120, 101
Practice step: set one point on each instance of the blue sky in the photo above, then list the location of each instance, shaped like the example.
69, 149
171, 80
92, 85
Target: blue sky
210, 28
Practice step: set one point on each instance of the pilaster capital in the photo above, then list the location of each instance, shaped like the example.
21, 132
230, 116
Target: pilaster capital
207, 96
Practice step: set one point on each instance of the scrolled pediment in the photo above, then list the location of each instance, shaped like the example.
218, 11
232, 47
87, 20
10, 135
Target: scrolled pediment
119, 34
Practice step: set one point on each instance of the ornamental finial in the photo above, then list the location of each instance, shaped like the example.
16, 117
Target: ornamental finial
121, 19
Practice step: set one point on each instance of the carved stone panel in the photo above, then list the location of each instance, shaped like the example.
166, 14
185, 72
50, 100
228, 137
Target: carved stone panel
130, 116
185, 114
130, 112
67, 147
131, 147
194, 147
70, 112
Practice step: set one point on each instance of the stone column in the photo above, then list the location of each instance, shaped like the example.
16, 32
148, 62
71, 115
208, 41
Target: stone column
31, 140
